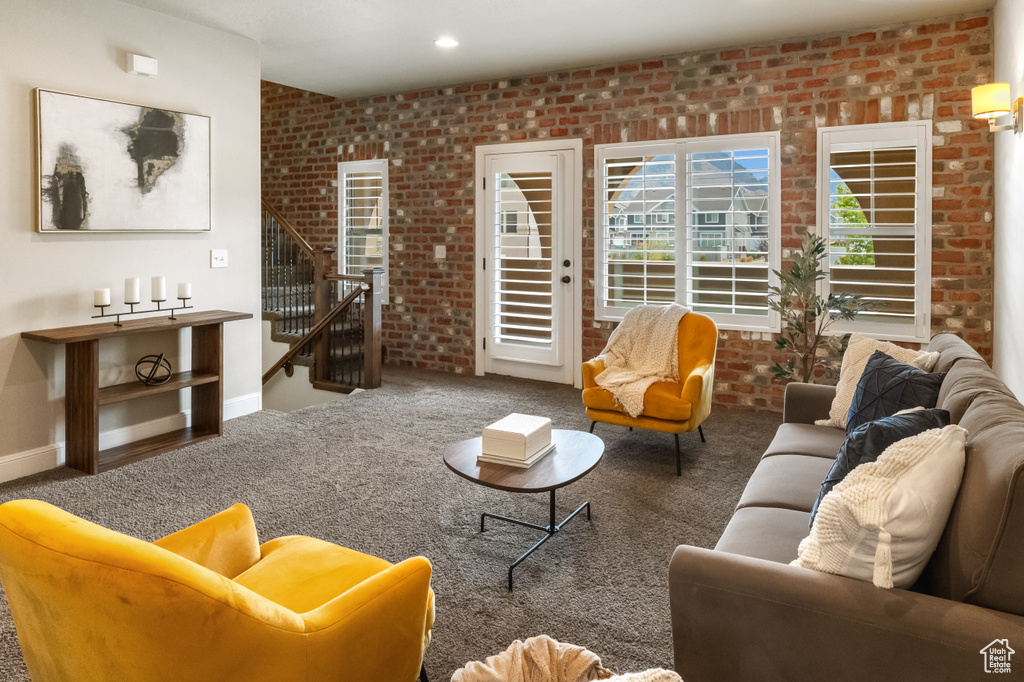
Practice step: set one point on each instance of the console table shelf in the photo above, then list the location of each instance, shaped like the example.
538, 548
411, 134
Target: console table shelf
136, 389
83, 396
111, 458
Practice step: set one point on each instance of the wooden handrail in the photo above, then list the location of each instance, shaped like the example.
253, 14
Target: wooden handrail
292, 232
317, 328
339, 277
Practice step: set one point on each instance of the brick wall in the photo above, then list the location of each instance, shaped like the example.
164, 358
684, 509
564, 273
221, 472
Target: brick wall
895, 73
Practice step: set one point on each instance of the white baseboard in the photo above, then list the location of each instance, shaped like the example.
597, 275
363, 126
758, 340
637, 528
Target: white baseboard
243, 405
52, 456
31, 462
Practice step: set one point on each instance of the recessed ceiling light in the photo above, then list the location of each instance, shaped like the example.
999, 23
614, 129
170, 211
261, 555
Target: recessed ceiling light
446, 42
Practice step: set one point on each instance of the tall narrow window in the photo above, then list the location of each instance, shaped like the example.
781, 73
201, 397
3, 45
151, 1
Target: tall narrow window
729, 229
694, 221
363, 217
875, 207
638, 232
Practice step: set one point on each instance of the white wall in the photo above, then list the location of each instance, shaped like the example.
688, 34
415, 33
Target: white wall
47, 280
1008, 318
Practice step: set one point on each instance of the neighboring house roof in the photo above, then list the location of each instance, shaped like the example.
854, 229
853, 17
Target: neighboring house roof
714, 198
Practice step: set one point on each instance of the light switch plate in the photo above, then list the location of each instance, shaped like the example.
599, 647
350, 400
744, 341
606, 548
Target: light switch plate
218, 258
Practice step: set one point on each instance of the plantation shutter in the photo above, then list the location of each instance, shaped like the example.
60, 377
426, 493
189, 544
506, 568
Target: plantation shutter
695, 221
638, 231
729, 222
363, 216
522, 257
875, 186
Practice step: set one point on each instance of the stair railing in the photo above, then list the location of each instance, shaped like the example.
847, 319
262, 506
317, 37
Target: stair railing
288, 273
342, 336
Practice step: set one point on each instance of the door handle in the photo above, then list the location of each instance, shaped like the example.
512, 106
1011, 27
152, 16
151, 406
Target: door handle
566, 262
566, 279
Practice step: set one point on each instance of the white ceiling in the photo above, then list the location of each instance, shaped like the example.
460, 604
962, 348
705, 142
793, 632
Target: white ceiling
349, 48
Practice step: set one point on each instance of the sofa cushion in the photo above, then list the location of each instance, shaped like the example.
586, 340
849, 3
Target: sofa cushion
769, 533
786, 481
888, 386
980, 555
855, 358
661, 401
806, 439
866, 442
883, 521
316, 572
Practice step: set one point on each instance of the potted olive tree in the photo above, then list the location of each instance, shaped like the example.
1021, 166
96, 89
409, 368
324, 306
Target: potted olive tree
806, 315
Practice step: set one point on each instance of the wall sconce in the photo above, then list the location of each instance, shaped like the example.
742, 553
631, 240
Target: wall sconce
992, 101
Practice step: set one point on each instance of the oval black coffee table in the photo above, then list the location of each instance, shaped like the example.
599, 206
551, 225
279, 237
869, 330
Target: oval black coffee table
576, 453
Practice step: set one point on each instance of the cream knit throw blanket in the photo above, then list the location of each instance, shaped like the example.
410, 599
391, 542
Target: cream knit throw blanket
643, 350
538, 659
542, 659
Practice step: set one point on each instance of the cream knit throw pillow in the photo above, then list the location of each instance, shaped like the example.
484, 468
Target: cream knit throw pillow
883, 521
855, 359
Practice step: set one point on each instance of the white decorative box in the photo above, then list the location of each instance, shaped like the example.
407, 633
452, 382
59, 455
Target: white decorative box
517, 436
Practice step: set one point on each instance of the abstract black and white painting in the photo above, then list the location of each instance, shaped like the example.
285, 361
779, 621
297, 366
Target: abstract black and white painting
113, 167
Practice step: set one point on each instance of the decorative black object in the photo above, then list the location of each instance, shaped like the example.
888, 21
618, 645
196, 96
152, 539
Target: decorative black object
887, 386
153, 370
866, 442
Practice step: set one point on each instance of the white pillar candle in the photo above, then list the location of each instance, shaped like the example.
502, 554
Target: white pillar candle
101, 297
159, 289
131, 290
184, 290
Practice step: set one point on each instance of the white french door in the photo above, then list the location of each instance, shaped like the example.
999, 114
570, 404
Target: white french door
529, 245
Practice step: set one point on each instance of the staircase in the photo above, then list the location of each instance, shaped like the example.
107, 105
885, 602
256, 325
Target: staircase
331, 322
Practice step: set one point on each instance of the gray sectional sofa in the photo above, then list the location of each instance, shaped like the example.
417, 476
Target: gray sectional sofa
741, 612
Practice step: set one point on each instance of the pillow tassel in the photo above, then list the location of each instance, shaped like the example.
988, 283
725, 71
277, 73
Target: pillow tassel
883, 561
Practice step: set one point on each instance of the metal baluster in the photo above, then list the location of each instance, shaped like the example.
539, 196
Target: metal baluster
291, 287
279, 256
359, 335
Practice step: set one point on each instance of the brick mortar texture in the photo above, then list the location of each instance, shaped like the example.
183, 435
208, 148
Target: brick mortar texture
912, 71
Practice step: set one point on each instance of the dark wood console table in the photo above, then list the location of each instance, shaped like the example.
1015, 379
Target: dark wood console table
83, 396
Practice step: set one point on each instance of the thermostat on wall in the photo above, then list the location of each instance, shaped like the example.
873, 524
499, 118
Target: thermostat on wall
140, 66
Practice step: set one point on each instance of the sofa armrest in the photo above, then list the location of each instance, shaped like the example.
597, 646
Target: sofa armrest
226, 542
740, 618
591, 368
805, 403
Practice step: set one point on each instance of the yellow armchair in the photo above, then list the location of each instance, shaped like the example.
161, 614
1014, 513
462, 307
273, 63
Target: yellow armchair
669, 406
206, 603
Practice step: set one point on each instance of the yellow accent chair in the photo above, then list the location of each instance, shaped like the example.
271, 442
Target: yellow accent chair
669, 406
208, 603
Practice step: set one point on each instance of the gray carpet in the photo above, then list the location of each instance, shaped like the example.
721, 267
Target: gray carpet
366, 473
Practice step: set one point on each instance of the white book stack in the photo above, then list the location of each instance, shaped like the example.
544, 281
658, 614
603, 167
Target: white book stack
518, 440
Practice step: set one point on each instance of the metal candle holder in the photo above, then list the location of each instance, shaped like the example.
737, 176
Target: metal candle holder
133, 311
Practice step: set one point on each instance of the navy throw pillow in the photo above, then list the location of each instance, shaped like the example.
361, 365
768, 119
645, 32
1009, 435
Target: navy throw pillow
866, 442
888, 386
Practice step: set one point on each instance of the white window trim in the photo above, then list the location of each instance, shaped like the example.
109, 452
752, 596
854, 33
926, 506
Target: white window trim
381, 166
881, 132
680, 148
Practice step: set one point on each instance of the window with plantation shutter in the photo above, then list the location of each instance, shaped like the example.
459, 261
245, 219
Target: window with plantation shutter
874, 194
694, 221
639, 234
363, 217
